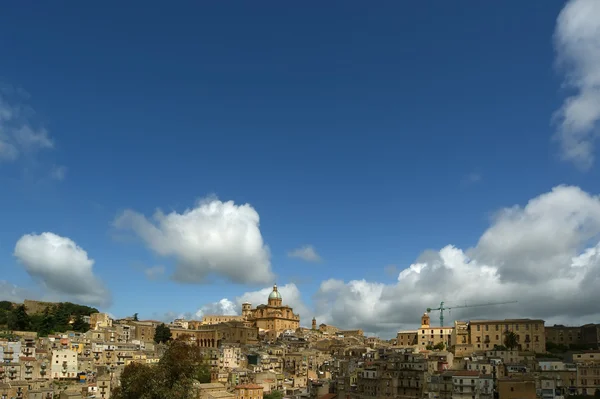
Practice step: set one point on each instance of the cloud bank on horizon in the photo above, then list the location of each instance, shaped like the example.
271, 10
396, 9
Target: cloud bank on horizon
528, 254
545, 255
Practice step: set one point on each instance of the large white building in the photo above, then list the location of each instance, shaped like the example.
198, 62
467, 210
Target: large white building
64, 363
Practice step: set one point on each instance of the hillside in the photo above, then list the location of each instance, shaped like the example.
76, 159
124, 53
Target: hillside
44, 317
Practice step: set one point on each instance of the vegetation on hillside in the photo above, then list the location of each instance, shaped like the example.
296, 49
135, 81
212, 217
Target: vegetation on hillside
273, 395
58, 318
172, 378
162, 334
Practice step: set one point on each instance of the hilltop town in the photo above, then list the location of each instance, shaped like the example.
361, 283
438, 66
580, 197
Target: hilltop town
265, 353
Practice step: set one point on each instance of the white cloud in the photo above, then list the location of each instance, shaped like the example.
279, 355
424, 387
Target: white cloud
289, 292
154, 272
17, 134
545, 255
577, 42
61, 266
214, 238
58, 173
306, 253
223, 307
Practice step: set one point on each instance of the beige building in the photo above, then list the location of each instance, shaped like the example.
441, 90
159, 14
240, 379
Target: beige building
428, 335
484, 334
516, 388
274, 317
64, 364
563, 335
249, 391
216, 319
100, 320
407, 338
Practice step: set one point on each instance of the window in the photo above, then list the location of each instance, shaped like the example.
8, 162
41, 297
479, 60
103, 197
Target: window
477, 328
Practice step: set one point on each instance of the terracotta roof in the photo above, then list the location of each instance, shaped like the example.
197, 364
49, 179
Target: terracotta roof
249, 386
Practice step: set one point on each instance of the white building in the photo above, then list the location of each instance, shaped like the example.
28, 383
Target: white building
64, 363
232, 357
465, 385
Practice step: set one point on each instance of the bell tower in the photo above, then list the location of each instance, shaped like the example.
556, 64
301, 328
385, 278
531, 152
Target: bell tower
246, 310
314, 324
425, 322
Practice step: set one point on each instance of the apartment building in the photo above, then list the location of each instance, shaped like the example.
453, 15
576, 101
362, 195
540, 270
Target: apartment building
249, 391
64, 364
465, 385
428, 336
530, 333
407, 338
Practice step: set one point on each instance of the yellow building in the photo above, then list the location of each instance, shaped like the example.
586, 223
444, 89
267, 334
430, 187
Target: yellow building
274, 317
516, 388
407, 338
484, 334
216, 319
249, 391
428, 335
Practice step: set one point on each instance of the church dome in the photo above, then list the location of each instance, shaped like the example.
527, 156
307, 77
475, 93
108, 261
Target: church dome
275, 294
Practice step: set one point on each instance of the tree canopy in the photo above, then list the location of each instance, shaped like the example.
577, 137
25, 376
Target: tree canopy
273, 395
511, 340
60, 317
162, 334
173, 376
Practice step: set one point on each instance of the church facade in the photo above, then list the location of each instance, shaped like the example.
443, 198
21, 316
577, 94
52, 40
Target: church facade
274, 317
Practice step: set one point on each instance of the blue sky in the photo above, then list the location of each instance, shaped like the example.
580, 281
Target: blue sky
371, 132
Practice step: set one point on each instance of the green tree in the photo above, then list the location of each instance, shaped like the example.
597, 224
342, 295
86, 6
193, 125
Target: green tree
80, 325
440, 346
273, 395
511, 341
162, 334
135, 317
19, 319
171, 378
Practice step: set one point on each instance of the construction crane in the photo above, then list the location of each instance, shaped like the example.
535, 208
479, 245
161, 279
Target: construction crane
442, 308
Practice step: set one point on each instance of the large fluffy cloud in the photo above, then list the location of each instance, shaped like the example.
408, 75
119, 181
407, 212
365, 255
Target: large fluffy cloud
61, 266
577, 41
214, 238
289, 292
544, 255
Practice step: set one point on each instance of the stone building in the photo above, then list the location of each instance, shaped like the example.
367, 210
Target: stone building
216, 319
274, 317
484, 334
428, 335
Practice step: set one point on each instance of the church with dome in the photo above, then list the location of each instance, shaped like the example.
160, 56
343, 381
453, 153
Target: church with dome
272, 318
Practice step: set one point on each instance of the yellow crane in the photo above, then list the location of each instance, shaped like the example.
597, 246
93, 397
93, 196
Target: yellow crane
441, 308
